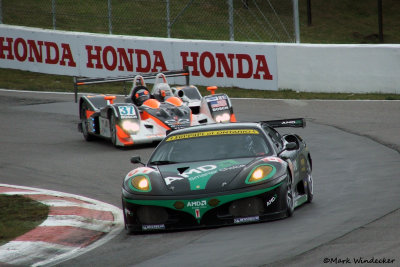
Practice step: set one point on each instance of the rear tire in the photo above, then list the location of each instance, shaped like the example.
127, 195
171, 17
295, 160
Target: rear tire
84, 121
309, 188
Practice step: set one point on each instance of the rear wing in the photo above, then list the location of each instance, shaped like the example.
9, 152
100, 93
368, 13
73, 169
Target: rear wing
296, 123
79, 81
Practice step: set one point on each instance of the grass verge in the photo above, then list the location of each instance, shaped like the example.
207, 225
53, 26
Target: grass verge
24, 80
19, 215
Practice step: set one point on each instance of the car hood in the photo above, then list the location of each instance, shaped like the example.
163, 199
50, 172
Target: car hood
202, 177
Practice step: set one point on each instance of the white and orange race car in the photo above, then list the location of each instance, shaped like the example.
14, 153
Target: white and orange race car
145, 116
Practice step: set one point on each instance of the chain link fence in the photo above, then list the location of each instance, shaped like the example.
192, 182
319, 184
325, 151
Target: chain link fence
240, 20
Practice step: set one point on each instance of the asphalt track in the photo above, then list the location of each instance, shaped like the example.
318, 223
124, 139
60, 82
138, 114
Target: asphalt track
355, 148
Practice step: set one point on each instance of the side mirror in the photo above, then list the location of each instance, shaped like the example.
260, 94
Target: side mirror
288, 147
136, 159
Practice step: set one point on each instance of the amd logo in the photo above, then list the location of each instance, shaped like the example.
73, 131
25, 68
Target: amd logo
199, 203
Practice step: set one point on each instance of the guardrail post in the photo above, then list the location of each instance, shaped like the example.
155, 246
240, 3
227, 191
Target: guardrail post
53, 13
1, 12
109, 17
168, 20
380, 21
296, 20
230, 22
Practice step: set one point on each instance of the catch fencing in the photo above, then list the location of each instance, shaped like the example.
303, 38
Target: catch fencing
239, 20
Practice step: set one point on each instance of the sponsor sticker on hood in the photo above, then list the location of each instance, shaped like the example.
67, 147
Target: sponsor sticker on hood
199, 174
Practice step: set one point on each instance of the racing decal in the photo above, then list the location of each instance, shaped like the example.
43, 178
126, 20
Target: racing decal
149, 227
272, 159
198, 177
197, 203
302, 164
127, 112
212, 133
218, 103
169, 180
141, 170
246, 219
127, 212
197, 212
199, 170
272, 200
234, 167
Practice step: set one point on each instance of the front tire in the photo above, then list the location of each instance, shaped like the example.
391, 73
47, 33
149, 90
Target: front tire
113, 129
289, 198
84, 121
309, 187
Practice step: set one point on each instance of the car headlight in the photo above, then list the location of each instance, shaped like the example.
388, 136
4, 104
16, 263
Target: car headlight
260, 173
130, 126
140, 183
223, 117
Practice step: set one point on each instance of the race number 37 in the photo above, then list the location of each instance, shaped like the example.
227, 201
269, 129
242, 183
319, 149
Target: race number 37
127, 111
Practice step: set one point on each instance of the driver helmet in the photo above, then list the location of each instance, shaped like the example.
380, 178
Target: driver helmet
141, 96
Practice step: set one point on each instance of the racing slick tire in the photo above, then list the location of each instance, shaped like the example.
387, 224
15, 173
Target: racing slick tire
309, 184
113, 129
289, 198
84, 122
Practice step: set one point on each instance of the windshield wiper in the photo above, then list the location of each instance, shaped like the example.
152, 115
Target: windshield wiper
162, 162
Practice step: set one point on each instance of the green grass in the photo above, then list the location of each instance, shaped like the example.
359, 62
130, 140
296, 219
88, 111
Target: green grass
19, 215
23, 80
349, 21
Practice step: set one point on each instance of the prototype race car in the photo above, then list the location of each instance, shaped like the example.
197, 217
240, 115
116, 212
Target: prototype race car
208, 109
219, 174
146, 116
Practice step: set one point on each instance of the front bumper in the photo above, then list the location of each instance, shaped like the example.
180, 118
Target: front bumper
218, 210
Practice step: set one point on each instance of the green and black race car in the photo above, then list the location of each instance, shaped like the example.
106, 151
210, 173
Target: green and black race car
219, 174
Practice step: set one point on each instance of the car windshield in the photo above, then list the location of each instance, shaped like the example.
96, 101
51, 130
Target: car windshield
211, 145
192, 93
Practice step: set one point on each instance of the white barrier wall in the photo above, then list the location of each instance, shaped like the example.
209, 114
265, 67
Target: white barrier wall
339, 68
264, 66
245, 65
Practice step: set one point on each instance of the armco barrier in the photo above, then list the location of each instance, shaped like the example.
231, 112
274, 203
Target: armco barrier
264, 66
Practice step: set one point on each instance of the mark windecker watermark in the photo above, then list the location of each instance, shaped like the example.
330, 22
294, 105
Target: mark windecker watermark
359, 260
